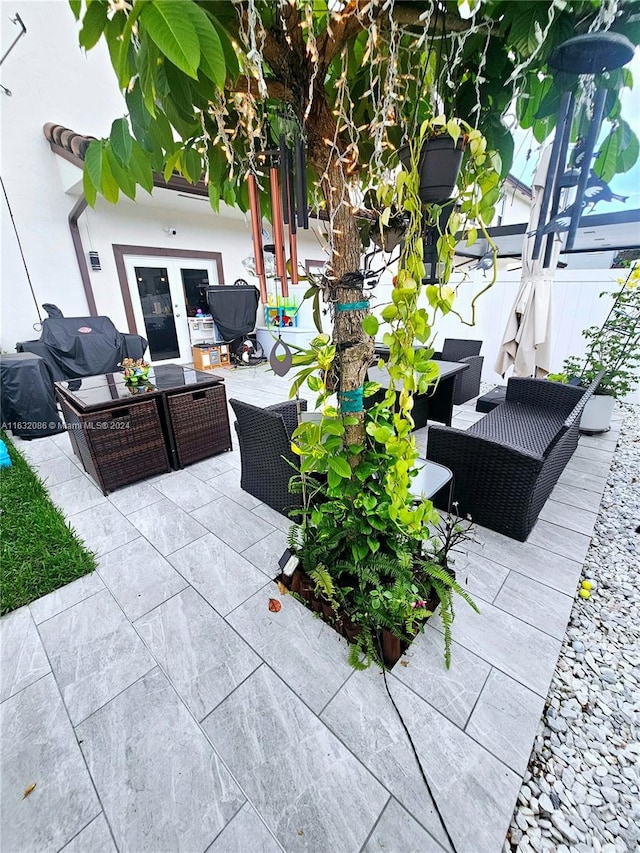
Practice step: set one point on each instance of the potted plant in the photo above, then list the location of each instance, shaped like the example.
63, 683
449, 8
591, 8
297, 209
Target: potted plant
613, 348
381, 602
135, 372
440, 157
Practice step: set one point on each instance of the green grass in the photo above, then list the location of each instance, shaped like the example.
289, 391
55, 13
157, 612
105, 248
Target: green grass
38, 551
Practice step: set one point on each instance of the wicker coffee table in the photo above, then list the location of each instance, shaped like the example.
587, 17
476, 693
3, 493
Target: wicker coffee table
123, 434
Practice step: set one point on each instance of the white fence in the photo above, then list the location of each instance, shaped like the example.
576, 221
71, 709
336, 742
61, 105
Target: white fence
576, 305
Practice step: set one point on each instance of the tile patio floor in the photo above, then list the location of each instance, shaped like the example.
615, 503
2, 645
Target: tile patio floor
158, 705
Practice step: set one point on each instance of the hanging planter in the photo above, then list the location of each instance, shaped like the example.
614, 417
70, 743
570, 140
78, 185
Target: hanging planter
439, 166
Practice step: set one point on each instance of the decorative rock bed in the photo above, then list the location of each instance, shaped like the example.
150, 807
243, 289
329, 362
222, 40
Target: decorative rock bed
581, 789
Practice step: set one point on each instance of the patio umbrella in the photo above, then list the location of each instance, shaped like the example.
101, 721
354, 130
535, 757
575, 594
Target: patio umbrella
526, 344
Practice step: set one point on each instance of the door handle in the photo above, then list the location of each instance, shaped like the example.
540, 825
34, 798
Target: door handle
177, 315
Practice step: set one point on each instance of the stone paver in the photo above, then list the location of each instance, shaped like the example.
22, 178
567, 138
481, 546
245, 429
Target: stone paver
39, 748
281, 753
22, 657
203, 657
397, 830
139, 591
94, 652
161, 784
174, 628
308, 655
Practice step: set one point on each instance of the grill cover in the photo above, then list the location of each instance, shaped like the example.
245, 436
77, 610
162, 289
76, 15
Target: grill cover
27, 402
74, 347
234, 309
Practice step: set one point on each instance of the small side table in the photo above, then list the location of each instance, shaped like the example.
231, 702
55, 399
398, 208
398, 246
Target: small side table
430, 479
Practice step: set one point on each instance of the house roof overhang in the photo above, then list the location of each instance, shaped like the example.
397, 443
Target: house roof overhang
599, 232
602, 232
72, 146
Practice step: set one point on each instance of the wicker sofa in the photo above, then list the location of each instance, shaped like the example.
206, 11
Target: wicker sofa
506, 465
266, 457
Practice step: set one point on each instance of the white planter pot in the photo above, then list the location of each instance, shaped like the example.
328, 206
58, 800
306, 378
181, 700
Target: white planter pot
596, 415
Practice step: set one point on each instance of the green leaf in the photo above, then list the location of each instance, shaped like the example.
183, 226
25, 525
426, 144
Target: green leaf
121, 141
605, 164
214, 196
172, 30
333, 478
182, 96
549, 104
527, 25
93, 161
93, 24
90, 192
117, 34
122, 176
453, 129
317, 318
370, 325
389, 312
629, 149
191, 165
160, 130
230, 58
147, 63
76, 7
333, 426
212, 61
140, 167
340, 466
108, 184
171, 164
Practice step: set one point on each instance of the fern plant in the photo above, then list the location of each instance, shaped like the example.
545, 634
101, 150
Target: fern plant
444, 585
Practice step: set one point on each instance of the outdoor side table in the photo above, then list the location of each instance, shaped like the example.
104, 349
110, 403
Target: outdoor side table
430, 479
117, 434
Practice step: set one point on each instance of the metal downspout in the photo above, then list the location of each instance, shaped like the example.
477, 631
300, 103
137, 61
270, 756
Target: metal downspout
76, 212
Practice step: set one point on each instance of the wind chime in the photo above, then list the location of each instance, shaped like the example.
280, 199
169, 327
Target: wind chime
590, 54
289, 209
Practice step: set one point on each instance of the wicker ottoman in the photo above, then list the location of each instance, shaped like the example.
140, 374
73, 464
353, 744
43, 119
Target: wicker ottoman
199, 423
491, 399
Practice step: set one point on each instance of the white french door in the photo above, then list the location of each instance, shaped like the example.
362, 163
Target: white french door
164, 292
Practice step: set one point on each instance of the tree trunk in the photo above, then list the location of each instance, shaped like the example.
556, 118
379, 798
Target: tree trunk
355, 348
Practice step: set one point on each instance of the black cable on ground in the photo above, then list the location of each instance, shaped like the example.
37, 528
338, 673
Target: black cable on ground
415, 752
24, 262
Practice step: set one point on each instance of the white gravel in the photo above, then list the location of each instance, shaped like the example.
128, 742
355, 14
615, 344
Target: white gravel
581, 789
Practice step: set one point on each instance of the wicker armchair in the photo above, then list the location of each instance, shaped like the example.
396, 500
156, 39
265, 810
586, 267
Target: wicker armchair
467, 384
264, 436
506, 465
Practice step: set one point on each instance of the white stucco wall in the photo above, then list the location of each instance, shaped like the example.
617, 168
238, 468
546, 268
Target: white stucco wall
51, 80
143, 223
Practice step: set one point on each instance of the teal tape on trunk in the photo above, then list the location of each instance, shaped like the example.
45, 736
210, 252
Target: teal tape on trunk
352, 306
352, 401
